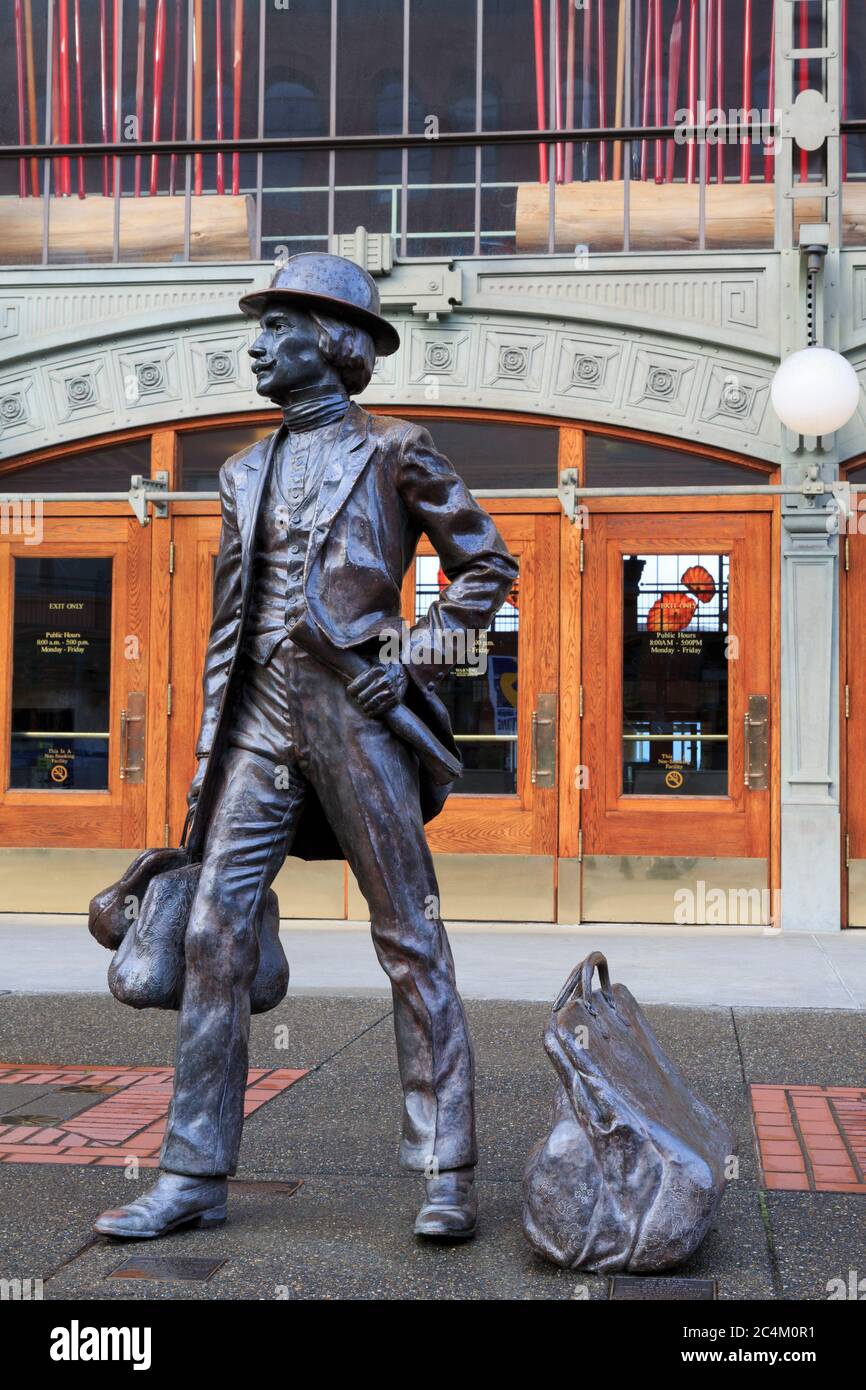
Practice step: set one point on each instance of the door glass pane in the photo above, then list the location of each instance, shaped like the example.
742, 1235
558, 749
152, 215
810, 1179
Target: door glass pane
202, 453
90, 470
486, 454
61, 674
481, 694
614, 462
675, 675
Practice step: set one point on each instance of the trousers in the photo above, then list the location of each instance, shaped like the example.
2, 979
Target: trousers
296, 728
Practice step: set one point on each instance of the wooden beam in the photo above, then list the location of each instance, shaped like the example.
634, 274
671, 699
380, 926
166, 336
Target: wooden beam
664, 217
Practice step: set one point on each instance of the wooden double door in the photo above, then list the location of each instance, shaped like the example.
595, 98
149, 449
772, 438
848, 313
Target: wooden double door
502, 696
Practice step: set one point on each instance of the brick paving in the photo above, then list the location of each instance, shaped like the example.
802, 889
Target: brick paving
811, 1138
126, 1121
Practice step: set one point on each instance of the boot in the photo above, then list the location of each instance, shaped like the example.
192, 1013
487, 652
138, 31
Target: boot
175, 1199
451, 1209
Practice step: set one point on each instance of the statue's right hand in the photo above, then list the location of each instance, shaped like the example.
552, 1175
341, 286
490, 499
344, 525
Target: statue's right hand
195, 785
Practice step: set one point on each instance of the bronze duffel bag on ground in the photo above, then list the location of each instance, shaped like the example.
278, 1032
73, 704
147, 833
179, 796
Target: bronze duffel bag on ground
633, 1169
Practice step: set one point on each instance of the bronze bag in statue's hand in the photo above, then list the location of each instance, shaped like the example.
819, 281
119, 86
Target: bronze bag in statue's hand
147, 971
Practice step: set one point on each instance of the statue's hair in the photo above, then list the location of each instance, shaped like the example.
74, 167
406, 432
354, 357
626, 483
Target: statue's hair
348, 348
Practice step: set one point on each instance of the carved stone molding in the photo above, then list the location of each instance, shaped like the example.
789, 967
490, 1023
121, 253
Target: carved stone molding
81, 390
19, 412
733, 304
588, 368
438, 352
735, 398
623, 344
149, 374
662, 381
219, 366
513, 360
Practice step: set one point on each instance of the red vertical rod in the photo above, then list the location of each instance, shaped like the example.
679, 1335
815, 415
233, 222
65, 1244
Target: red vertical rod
708, 73
115, 93
139, 87
804, 81
237, 72
557, 95
538, 33
720, 83
644, 149
585, 75
769, 158
220, 171
657, 78
198, 89
602, 91
103, 90
19, 67
675, 55
56, 164
175, 93
31, 95
79, 102
569, 94
746, 140
691, 147
619, 95
158, 74
65, 95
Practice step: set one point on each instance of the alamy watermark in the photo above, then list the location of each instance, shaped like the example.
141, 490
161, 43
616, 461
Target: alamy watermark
447, 648
22, 516
710, 125
726, 907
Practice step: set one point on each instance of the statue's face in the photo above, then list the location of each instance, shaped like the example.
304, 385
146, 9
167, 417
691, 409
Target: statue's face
286, 354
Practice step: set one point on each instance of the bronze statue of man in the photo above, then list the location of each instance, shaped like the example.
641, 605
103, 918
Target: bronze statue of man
319, 524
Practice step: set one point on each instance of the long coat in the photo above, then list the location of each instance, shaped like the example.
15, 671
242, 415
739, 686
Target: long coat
383, 485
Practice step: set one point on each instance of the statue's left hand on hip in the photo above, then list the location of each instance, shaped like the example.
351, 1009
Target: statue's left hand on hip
379, 689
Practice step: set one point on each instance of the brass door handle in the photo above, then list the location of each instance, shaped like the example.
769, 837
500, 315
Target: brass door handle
543, 763
132, 738
756, 743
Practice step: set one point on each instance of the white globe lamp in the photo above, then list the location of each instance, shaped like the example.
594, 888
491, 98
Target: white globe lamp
815, 391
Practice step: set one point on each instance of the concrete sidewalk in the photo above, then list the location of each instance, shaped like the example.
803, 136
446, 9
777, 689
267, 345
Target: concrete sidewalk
697, 966
346, 1231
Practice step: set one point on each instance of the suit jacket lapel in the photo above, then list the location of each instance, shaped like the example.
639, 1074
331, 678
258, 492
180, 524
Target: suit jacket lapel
259, 464
349, 456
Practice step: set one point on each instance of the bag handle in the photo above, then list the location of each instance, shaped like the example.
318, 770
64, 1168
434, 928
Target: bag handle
579, 983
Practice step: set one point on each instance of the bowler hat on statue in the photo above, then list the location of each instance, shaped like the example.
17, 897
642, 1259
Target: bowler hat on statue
335, 286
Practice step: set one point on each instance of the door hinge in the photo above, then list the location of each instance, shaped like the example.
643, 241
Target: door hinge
847, 851
580, 702
847, 702
580, 846
847, 554
169, 694
581, 554
165, 835
171, 557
